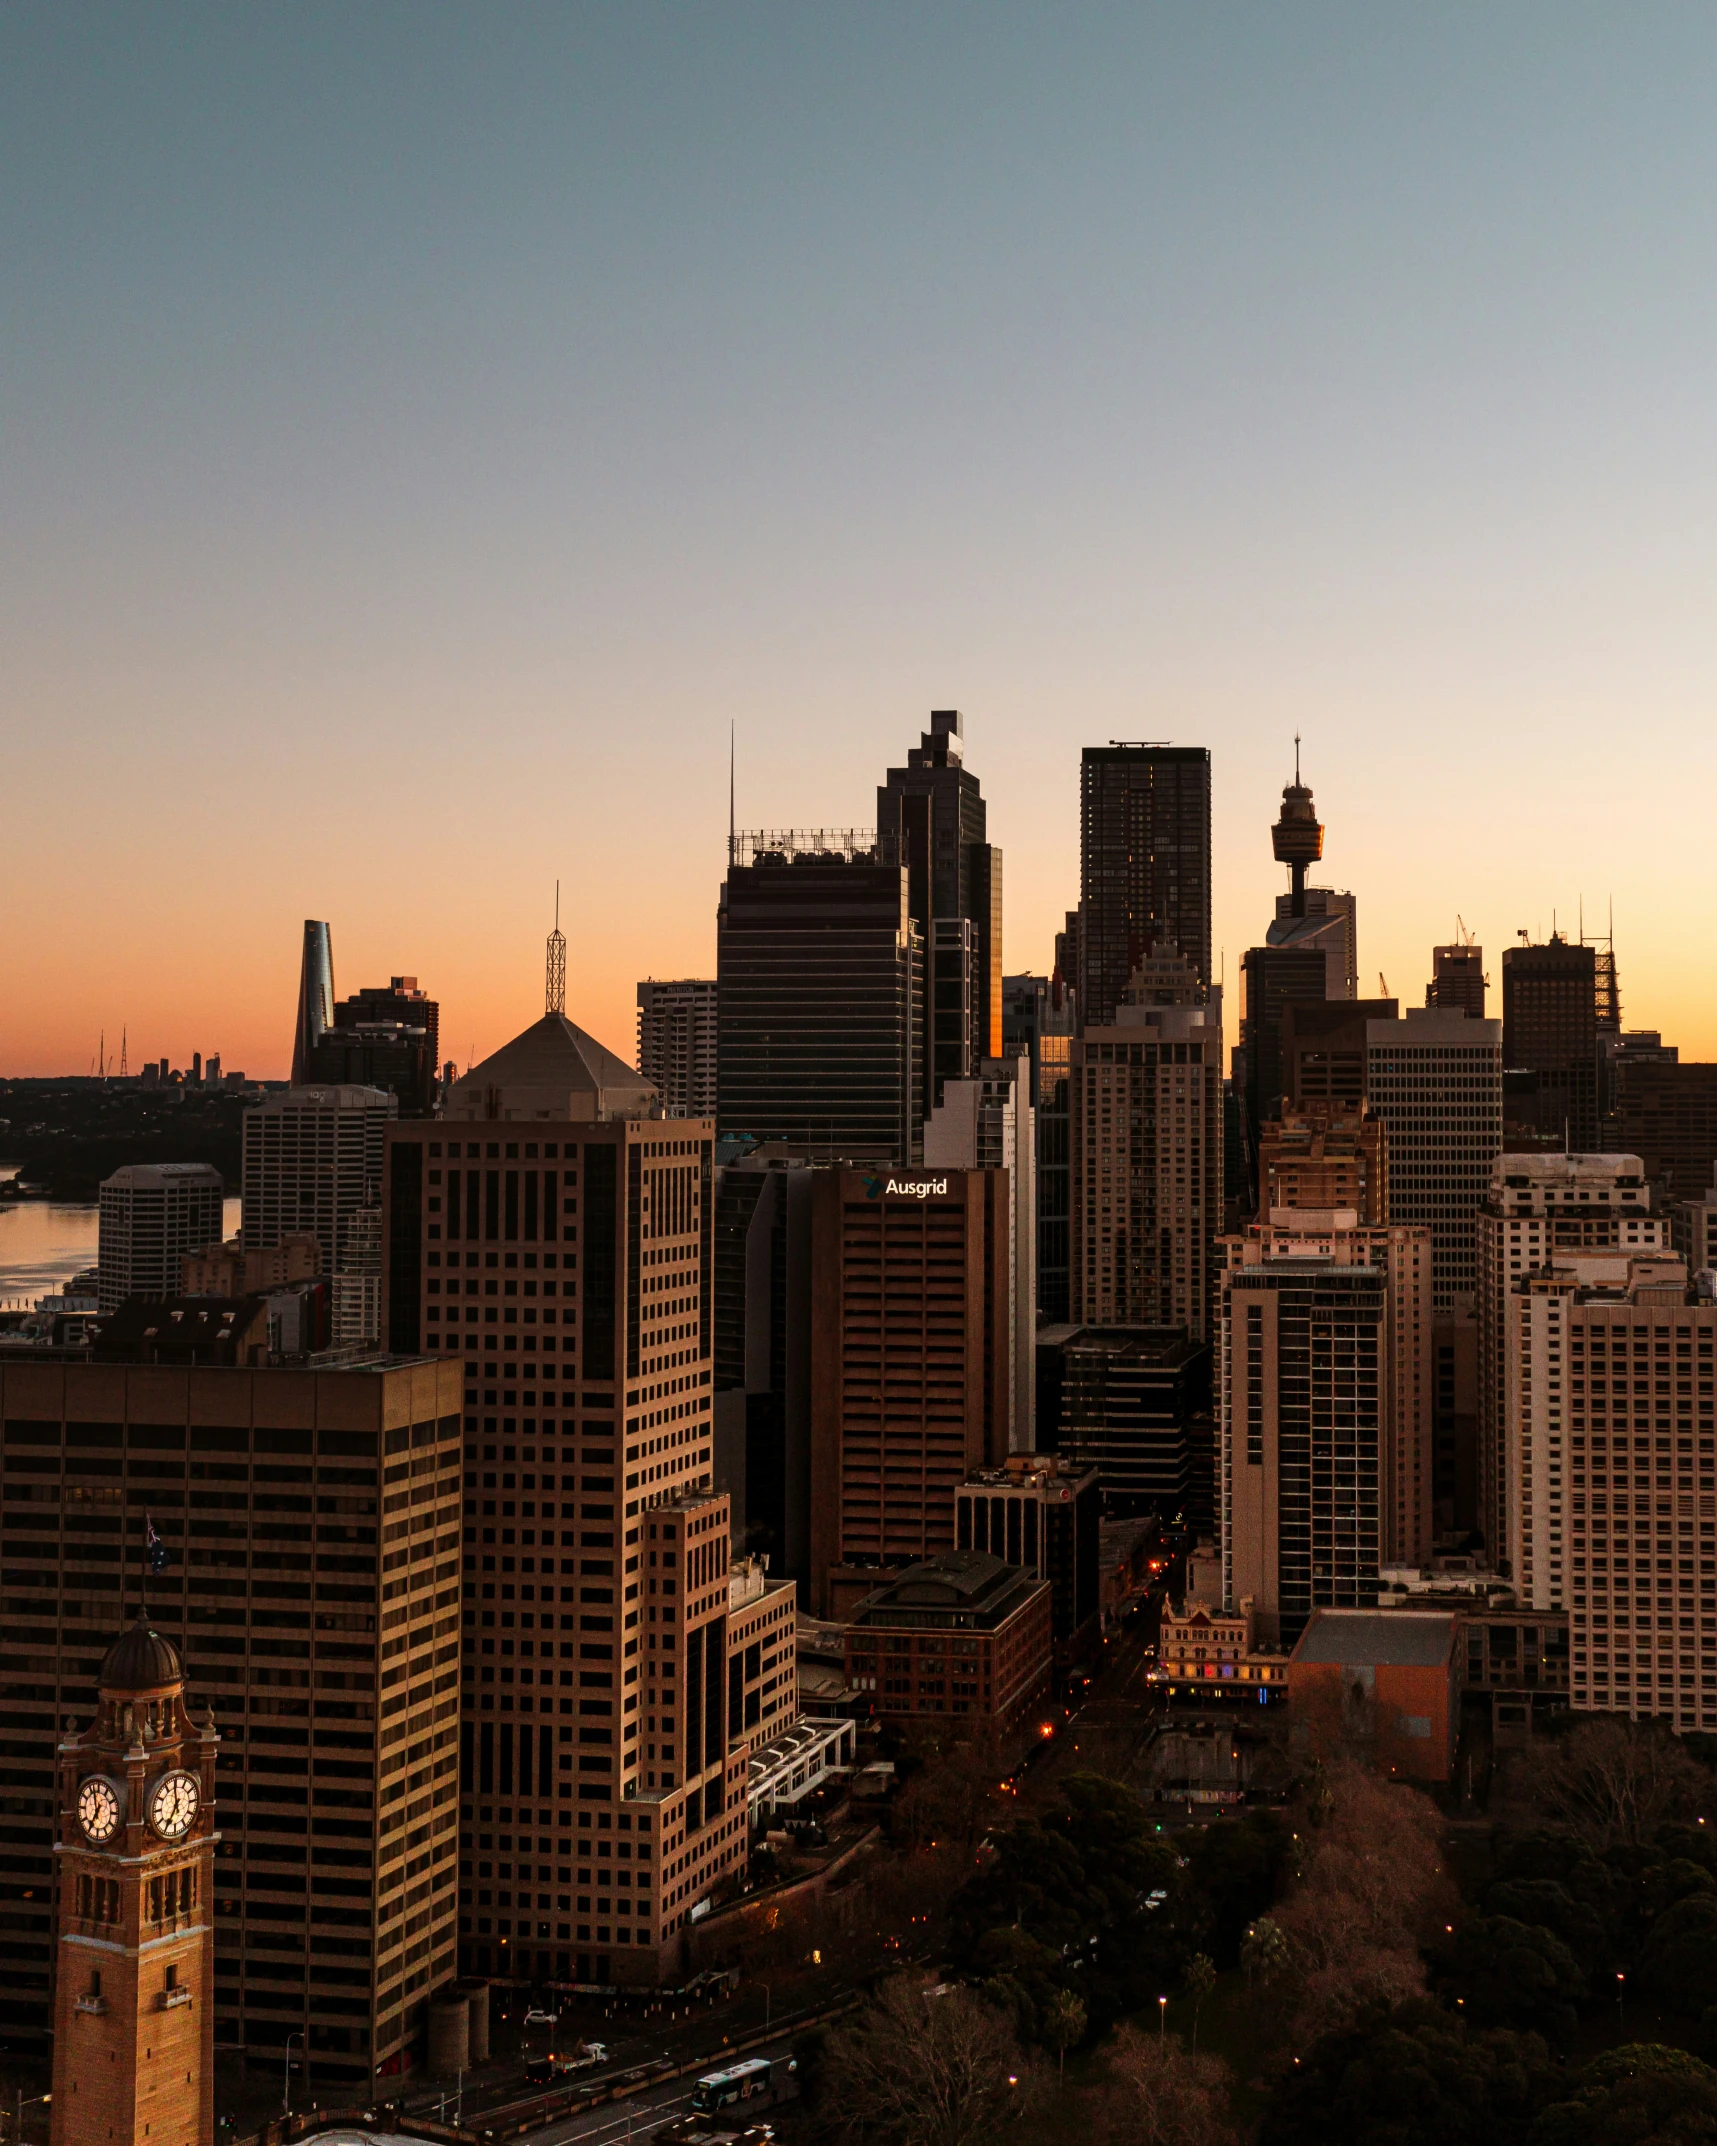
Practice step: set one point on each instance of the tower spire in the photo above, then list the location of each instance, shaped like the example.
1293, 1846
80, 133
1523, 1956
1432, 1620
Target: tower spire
1297, 838
555, 992
732, 823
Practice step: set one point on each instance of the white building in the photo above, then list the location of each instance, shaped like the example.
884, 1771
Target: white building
1435, 1079
313, 1165
1541, 1209
1331, 925
989, 1124
781, 1774
676, 1043
151, 1215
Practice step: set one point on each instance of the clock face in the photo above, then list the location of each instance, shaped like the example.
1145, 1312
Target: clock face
98, 1809
173, 1805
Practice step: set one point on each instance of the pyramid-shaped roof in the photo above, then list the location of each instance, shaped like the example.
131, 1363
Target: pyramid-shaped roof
557, 1071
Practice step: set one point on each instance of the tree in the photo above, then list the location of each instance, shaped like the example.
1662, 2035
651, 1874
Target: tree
1163, 2094
1678, 1962
1514, 1974
1611, 1780
1549, 1906
921, 2071
1263, 1951
1063, 2025
1200, 1979
1644, 2095
1412, 2076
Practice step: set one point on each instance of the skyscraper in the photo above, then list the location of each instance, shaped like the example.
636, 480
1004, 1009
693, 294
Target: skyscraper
382, 1037
313, 1164
1039, 1018
1146, 1143
676, 1043
932, 815
1144, 843
1325, 1413
820, 995
1435, 1079
1550, 1028
315, 998
153, 1214
1325, 1155
1666, 1113
1457, 979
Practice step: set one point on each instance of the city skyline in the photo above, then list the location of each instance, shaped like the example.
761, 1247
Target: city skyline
393, 385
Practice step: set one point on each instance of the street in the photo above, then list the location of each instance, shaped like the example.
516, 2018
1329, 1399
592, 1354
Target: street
640, 2113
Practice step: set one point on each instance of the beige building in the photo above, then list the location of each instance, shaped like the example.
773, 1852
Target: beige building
1693, 1225
1146, 1148
313, 1163
1537, 1209
1326, 1154
676, 1043
1324, 1413
1435, 1079
228, 1270
1640, 1528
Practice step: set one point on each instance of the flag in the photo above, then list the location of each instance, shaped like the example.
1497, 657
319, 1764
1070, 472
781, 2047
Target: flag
160, 1557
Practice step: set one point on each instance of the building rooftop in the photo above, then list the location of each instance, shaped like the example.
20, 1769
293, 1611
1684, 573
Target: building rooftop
969, 1585
1380, 1638
555, 1071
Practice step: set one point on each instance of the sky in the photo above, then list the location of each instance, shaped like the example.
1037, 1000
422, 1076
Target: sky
424, 430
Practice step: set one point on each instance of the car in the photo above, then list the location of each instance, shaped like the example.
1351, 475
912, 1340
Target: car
536, 2017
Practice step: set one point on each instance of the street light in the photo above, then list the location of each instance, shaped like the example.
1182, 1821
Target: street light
1621, 1981
297, 2035
768, 2005
1162, 2019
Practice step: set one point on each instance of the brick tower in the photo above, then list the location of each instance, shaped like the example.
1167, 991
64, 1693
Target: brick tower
135, 1959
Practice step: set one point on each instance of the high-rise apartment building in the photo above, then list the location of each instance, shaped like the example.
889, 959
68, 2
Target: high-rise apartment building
986, 1124
676, 1044
820, 996
909, 1365
134, 1969
1457, 979
1538, 1211
1693, 1231
1636, 1428
1146, 1143
151, 1215
1550, 1028
313, 1164
932, 815
1324, 1437
1435, 1079
1144, 847
1325, 1155
312, 1591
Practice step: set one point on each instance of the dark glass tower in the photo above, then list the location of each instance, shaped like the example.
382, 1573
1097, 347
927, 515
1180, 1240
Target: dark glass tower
1550, 1028
933, 811
820, 998
1144, 834
315, 998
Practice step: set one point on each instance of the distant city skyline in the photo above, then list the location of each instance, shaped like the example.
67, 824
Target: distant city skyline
425, 432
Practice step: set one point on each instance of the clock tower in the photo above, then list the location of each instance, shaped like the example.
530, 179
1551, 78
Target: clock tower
135, 1960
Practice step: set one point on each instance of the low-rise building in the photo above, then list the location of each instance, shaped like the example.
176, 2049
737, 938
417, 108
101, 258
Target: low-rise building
792, 1767
1380, 1681
962, 1635
1205, 1652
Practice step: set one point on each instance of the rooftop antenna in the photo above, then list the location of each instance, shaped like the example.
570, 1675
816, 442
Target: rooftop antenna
101, 1054
124, 1070
732, 824
555, 993
1296, 756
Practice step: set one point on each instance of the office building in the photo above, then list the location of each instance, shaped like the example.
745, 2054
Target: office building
313, 1166
315, 1000
151, 1214
960, 1639
1550, 1028
1134, 1404
326, 1655
1274, 981
552, 1072
820, 996
1329, 922
1323, 1048
1456, 1471
1642, 1568
910, 1379
1458, 980
134, 1968
381, 1038
1537, 1211
1324, 1423
931, 815
676, 1044
1693, 1231
1144, 873
228, 1270
1435, 1079
1042, 1515
1040, 1020
1666, 1113
1325, 1155
1146, 1143
986, 1123
1634, 1046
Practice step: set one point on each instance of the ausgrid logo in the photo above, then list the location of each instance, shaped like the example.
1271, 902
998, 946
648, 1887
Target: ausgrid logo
916, 1188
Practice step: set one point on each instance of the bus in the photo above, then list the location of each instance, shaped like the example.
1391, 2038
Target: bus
754, 2080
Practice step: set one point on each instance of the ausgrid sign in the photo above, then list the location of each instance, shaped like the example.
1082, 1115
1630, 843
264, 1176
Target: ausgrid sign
909, 1188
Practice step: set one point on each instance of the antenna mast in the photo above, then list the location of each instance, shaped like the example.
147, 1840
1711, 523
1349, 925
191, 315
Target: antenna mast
124, 1070
555, 993
732, 824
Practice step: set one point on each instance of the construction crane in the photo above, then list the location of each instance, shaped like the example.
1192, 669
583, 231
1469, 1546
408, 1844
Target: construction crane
1383, 984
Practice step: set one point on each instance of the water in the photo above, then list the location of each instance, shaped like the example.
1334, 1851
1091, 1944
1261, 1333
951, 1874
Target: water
42, 1245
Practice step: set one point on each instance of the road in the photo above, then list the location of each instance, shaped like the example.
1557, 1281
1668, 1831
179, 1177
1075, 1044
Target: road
637, 2116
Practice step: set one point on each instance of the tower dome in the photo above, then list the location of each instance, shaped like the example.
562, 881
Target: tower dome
141, 1660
